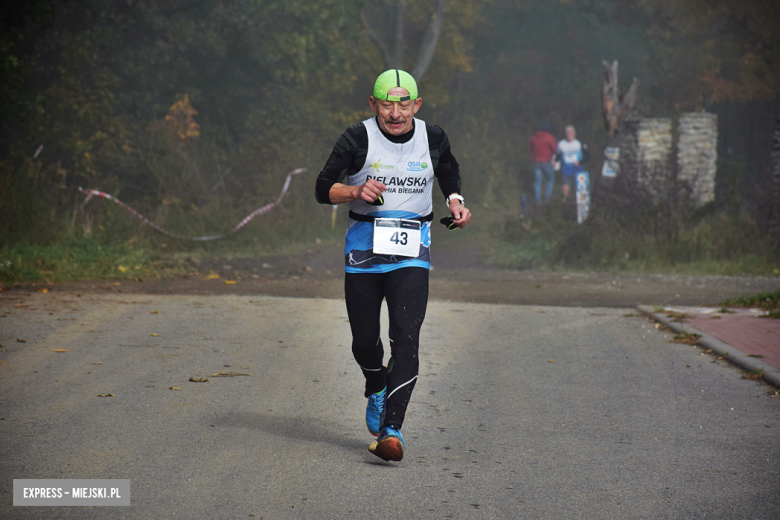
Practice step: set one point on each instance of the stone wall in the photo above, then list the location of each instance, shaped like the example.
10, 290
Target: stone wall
697, 151
654, 140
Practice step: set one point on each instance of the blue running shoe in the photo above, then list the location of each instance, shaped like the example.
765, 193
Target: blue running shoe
389, 445
375, 411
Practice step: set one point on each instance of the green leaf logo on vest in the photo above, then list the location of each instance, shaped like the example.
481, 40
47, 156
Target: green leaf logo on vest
379, 166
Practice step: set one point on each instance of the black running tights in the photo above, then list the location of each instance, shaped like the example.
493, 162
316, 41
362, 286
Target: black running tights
406, 293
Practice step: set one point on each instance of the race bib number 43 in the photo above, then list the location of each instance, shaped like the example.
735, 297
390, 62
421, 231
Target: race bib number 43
395, 236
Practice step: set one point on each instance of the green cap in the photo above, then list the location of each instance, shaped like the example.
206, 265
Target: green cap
393, 78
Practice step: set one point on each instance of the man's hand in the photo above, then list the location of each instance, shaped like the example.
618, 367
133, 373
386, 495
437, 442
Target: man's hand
341, 193
460, 213
369, 191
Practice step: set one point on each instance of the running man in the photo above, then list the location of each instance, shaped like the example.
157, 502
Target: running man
384, 168
573, 154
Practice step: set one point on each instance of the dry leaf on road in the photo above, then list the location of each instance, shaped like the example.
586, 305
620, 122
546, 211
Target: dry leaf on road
686, 338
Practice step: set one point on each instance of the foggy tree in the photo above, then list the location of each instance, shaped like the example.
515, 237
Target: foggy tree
391, 39
744, 65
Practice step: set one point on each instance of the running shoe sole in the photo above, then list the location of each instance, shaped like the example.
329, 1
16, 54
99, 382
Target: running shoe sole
389, 448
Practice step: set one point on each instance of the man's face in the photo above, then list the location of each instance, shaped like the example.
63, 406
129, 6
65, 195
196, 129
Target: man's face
395, 117
570, 134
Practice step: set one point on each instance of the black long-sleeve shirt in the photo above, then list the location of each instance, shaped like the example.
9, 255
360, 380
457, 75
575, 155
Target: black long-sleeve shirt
349, 156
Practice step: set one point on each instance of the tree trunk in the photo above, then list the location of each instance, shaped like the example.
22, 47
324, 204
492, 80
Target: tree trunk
399, 44
614, 106
428, 47
609, 97
380, 43
392, 44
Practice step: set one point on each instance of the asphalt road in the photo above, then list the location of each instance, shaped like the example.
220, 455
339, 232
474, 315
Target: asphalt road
520, 412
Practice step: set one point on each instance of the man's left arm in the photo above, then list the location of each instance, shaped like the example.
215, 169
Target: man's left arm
447, 171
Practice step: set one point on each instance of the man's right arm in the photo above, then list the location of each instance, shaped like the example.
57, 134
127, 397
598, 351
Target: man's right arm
348, 157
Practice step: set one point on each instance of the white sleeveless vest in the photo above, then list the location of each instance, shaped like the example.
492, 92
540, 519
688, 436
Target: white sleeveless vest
406, 170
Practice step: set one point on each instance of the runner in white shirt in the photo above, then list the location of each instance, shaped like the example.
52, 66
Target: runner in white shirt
572, 154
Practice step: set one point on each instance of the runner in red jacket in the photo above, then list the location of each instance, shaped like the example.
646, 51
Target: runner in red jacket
543, 147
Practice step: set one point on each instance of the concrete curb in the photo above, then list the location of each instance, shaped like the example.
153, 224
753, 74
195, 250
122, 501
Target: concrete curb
771, 374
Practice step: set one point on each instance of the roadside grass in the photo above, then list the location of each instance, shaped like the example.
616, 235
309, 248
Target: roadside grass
768, 301
543, 253
719, 244
122, 248
765, 300
79, 259
127, 251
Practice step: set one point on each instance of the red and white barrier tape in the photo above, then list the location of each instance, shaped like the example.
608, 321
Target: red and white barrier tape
259, 211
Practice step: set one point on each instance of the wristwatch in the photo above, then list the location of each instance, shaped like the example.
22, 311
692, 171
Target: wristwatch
455, 196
